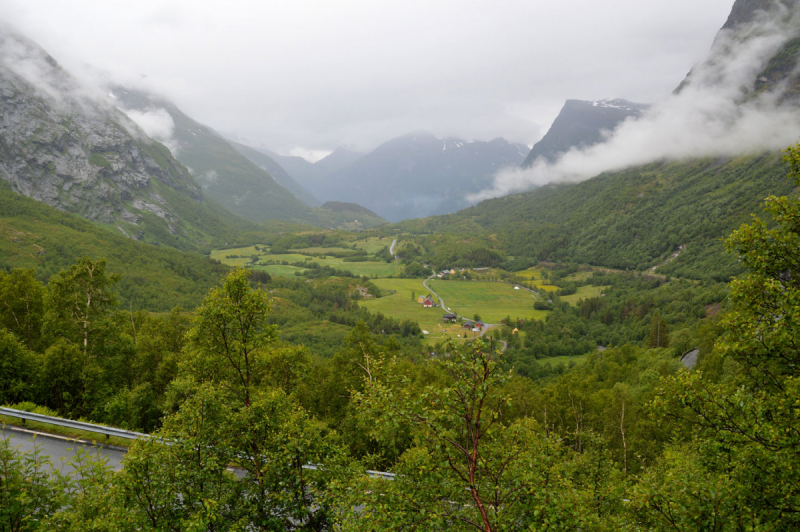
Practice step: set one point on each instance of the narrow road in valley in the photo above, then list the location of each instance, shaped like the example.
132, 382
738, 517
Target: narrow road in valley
391, 249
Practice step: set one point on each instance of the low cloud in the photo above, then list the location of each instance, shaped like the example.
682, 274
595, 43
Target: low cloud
157, 124
717, 113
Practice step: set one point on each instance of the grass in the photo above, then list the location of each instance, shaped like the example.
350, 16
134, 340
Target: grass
583, 293
321, 250
492, 301
279, 270
368, 268
374, 244
400, 306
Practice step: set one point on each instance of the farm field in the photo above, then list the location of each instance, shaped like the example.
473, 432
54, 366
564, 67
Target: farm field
375, 244
400, 306
369, 268
583, 292
321, 250
492, 301
279, 270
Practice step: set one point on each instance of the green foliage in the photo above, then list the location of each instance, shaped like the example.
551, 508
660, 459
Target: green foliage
154, 278
745, 441
230, 340
79, 301
22, 305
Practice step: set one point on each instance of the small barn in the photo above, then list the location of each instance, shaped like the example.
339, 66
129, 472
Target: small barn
450, 317
469, 324
428, 303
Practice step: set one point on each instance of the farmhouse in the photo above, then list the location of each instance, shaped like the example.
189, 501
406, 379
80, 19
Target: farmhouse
450, 317
428, 303
469, 324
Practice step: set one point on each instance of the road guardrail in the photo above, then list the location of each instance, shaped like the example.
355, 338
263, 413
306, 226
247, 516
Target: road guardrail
120, 433
75, 425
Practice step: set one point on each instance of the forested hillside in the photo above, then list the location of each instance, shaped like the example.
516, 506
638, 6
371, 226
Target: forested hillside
634, 219
155, 278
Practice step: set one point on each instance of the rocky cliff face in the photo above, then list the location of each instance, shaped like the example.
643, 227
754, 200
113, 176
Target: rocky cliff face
65, 146
745, 11
769, 21
581, 124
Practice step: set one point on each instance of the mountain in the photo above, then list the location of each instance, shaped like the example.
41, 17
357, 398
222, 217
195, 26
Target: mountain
226, 175
745, 11
65, 146
277, 172
312, 175
581, 124
339, 158
419, 175
780, 74
668, 216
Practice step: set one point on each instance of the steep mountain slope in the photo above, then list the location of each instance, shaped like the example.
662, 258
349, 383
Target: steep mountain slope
35, 235
634, 219
277, 172
419, 175
745, 11
339, 158
581, 124
63, 145
225, 175
312, 175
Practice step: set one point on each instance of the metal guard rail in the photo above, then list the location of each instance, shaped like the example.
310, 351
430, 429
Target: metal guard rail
120, 433
75, 425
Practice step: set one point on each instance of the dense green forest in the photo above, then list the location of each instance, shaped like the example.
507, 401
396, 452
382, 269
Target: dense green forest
274, 374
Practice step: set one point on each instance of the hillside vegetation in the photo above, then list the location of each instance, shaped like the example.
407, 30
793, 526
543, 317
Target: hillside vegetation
156, 278
634, 219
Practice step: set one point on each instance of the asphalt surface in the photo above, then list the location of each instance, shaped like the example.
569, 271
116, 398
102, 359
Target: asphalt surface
58, 447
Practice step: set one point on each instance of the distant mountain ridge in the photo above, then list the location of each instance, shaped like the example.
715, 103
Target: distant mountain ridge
419, 175
582, 124
277, 172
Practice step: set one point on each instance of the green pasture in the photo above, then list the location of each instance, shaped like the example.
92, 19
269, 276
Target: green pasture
584, 292
400, 306
374, 244
279, 270
321, 250
368, 268
493, 301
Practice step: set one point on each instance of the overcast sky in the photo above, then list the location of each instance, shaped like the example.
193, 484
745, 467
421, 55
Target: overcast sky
306, 76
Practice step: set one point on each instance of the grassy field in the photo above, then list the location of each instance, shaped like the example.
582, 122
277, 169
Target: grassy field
369, 268
583, 293
400, 306
279, 270
373, 245
492, 301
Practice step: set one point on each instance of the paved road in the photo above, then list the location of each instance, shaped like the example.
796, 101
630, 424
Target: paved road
56, 447
391, 248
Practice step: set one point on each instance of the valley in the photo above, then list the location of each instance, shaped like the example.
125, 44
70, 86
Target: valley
384, 315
